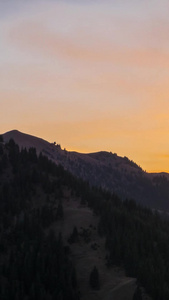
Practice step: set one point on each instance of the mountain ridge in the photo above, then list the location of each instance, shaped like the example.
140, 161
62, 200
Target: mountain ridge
108, 170
27, 140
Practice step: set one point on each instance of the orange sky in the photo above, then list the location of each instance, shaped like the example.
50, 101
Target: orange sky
89, 75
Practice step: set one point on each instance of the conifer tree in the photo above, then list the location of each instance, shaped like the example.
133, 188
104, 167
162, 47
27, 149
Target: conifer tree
137, 294
94, 279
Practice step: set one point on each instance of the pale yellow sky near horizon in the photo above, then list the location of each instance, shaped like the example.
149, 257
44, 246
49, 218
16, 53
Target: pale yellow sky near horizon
89, 75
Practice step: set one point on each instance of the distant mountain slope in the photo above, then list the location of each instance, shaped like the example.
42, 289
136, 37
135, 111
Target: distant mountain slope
110, 171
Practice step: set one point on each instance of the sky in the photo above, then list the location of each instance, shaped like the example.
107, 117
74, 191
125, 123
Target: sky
90, 75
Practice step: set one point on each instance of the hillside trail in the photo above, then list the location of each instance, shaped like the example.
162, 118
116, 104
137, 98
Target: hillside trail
124, 291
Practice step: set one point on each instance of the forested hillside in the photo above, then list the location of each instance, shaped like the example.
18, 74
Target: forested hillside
34, 261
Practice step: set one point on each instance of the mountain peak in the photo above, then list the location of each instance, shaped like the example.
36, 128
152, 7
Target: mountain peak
14, 131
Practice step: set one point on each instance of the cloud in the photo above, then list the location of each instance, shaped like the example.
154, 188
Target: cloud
36, 37
141, 72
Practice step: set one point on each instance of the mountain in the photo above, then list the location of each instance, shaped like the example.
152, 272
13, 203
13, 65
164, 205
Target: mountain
104, 169
49, 242
62, 239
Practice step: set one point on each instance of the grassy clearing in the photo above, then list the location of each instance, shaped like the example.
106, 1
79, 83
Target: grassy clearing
87, 254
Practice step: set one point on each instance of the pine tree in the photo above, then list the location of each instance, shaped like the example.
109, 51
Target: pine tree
94, 279
137, 294
60, 213
1, 138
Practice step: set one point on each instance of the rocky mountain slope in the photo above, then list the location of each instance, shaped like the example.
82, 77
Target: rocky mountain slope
110, 171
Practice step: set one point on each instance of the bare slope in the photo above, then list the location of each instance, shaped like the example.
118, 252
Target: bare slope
113, 280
